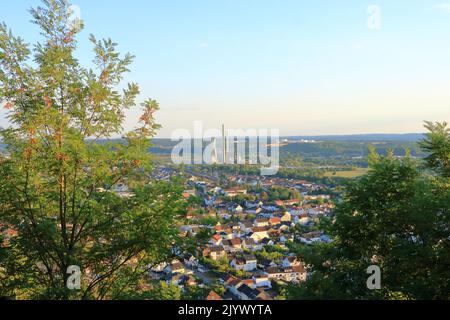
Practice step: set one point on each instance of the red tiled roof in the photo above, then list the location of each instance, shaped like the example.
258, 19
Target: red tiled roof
236, 241
259, 229
248, 282
234, 282
216, 237
213, 296
299, 269
275, 220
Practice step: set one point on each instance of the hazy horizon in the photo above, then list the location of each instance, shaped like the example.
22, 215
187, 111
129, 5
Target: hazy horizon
333, 135
306, 68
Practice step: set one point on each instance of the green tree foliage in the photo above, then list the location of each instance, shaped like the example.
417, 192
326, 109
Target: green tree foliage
57, 181
200, 293
195, 200
163, 291
437, 146
204, 235
222, 265
279, 193
270, 254
395, 217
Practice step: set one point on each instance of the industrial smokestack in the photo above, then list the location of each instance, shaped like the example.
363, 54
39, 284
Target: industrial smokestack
224, 145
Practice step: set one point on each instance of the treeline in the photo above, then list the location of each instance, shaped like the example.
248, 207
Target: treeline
322, 150
349, 149
309, 174
278, 193
396, 217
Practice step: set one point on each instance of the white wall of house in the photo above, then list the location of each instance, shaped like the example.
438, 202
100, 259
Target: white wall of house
250, 266
263, 283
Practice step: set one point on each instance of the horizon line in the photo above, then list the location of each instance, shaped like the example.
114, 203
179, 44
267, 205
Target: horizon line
327, 135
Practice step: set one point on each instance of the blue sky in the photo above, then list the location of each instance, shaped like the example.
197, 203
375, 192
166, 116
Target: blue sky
304, 67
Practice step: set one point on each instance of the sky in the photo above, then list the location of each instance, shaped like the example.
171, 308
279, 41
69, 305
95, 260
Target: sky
306, 67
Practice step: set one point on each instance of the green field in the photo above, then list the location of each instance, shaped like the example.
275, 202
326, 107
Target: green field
346, 174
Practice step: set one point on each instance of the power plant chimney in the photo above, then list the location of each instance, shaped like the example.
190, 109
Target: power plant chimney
224, 145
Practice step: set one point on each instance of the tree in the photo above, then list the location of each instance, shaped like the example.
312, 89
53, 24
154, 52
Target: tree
203, 235
164, 291
396, 217
195, 200
437, 145
59, 176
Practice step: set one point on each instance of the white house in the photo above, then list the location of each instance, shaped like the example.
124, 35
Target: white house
258, 234
176, 267
262, 281
287, 217
245, 226
159, 267
261, 222
250, 244
289, 274
215, 240
191, 261
247, 263
250, 262
291, 262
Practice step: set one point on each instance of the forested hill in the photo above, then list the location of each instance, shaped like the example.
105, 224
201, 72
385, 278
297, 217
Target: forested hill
327, 146
376, 137
350, 146
348, 149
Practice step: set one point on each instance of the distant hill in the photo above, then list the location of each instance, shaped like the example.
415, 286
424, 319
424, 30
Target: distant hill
376, 137
346, 149
330, 146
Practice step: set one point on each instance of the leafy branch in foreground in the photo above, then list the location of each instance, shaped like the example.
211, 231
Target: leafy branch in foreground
396, 217
57, 183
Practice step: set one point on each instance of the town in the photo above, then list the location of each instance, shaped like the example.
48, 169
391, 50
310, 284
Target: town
237, 151
242, 231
